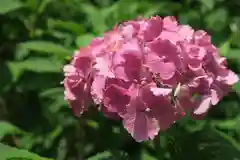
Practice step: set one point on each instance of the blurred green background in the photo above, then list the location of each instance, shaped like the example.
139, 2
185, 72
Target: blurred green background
37, 37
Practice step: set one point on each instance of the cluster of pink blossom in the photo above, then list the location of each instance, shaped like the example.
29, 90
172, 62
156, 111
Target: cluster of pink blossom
148, 73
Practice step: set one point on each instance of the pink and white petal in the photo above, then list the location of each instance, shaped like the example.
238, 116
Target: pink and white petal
151, 29
103, 67
97, 88
161, 91
170, 23
203, 105
139, 124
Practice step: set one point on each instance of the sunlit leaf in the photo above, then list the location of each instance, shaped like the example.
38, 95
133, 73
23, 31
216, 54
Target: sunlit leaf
95, 17
46, 47
101, 156
214, 22
10, 153
224, 48
7, 128
208, 3
84, 40
67, 25
146, 156
9, 5
236, 87
39, 65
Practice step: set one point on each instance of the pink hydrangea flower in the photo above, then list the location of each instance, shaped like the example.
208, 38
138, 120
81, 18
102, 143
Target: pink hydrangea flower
147, 73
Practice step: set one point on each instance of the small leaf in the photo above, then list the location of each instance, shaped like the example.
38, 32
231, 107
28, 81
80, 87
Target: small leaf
9, 5
10, 153
84, 40
46, 47
224, 48
236, 88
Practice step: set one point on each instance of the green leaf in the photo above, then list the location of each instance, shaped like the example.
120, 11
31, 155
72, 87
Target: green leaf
10, 153
101, 156
208, 3
95, 17
6, 77
43, 6
7, 128
46, 47
9, 5
38, 65
207, 144
84, 40
224, 48
67, 25
227, 124
214, 22
146, 156
51, 92
233, 54
236, 88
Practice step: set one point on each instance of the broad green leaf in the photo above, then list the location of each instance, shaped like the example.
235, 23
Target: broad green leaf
101, 156
146, 156
67, 25
233, 54
84, 40
43, 5
7, 128
214, 22
8, 153
51, 92
38, 65
46, 47
208, 3
151, 12
224, 48
9, 5
227, 124
95, 17
15, 70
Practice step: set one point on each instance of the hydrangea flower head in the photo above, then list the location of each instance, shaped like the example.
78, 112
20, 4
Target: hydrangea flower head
146, 73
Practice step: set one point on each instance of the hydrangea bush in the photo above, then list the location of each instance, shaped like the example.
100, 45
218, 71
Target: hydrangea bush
148, 73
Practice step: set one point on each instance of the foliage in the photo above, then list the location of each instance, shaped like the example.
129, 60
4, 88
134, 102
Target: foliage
39, 36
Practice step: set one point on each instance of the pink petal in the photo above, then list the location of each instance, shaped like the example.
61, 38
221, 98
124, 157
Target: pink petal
151, 29
116, 98
97, 88
203, 106
161, 91
139, 124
